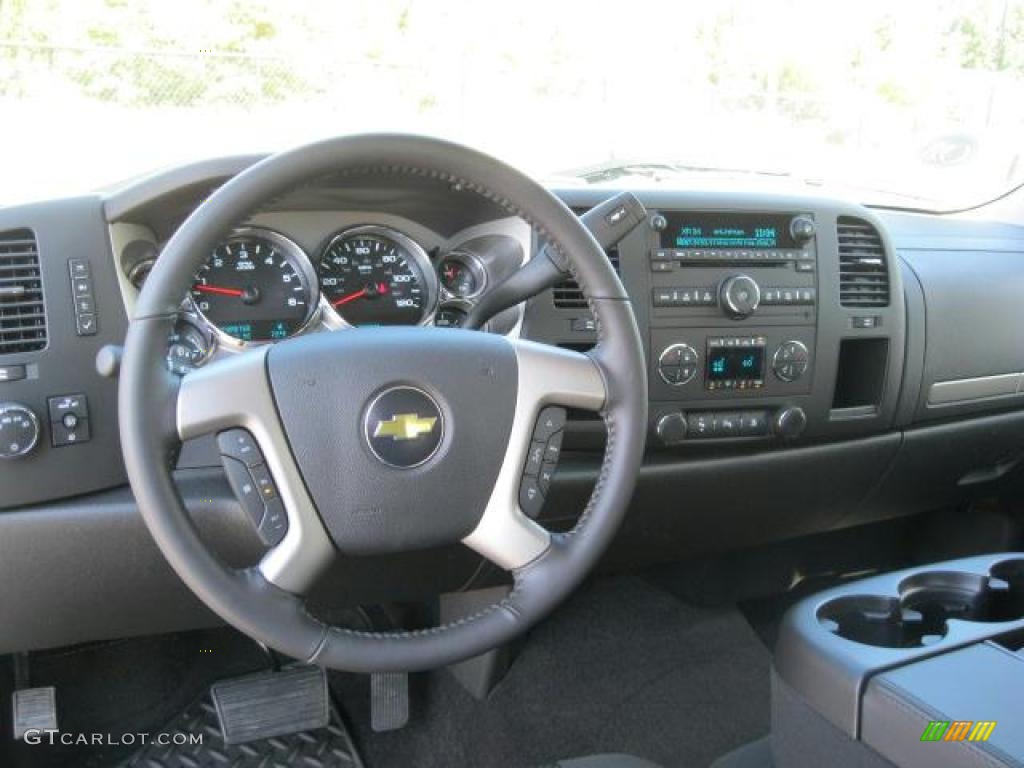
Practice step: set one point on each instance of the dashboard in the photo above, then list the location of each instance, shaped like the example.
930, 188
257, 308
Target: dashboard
811, 364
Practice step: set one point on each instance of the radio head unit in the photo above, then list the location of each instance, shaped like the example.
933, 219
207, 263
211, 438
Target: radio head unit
715, 230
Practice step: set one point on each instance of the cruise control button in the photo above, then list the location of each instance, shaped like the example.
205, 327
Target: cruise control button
530, 497
264, 482
534, 459
275, 523
239, 444
244, 488
551, 420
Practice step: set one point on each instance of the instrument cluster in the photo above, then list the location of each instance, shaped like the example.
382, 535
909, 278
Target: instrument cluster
259, 286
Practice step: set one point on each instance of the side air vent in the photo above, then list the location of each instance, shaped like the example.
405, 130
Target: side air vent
863, 274
567, 294
22, 314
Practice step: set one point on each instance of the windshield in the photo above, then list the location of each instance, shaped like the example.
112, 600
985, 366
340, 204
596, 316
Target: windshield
919, 104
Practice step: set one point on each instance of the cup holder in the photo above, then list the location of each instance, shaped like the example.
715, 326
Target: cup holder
927, 601
879, 621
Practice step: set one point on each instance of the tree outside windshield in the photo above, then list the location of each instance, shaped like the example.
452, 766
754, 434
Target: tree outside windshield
913, 103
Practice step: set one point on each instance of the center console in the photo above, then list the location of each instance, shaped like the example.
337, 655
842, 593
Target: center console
922, 667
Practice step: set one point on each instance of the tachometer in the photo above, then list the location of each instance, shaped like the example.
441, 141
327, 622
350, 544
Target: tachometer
256, 286
377, 276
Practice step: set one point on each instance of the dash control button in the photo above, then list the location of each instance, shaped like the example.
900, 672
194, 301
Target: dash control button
12, 372
245, 489
275, 523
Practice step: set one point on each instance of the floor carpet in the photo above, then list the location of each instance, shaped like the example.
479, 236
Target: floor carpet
623, 667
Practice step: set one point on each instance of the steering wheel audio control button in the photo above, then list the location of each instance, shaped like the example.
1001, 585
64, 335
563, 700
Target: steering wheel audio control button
245, 489
551, 420
535, 458
239, 444
530, 497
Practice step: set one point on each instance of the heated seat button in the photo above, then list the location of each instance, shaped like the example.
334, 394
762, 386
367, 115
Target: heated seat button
240, 445
245, 489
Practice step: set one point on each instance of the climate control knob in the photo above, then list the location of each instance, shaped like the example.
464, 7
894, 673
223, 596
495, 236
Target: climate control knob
19, 430
739, 296
790, 361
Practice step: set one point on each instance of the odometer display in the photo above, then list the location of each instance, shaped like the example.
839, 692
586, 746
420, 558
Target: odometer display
253, 287
376, 276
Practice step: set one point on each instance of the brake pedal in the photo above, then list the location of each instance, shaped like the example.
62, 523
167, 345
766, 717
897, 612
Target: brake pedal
268, 704
389, 701
35, 709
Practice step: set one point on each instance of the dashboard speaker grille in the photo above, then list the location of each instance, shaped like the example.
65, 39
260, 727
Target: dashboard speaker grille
22, 312
567, 294
863, 272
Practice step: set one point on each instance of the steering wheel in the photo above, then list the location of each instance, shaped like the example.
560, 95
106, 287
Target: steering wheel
318, 407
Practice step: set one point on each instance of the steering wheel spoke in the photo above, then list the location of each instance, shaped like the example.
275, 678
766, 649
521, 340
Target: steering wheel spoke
547, 375
235, 393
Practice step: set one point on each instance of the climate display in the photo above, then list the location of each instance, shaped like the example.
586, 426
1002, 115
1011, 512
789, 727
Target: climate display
709, 231
735, 364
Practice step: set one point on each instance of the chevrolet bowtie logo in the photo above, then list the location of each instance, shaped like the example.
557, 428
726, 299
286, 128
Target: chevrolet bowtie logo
405, 426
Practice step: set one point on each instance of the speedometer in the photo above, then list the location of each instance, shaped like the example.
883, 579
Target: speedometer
256, 286
377, 276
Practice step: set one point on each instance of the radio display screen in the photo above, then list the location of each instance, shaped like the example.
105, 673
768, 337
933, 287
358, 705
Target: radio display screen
735, 363
710, 231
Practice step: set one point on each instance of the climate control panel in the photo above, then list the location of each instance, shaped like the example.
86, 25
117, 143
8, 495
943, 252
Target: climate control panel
703, 364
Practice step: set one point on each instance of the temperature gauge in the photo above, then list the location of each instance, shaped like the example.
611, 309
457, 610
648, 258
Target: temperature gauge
462, 274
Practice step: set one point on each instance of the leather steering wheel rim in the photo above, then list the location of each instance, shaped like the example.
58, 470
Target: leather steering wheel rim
258, 605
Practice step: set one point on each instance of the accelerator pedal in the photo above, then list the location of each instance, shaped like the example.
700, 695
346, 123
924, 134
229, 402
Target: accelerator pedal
389, 701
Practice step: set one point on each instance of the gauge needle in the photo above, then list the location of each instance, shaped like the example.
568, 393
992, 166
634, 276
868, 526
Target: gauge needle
379, 288
351, 297
203, 288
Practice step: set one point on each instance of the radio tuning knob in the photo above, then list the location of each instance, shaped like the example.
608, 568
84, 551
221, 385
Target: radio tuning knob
658, 222
802, 228
19, 430
740, 296
789, 422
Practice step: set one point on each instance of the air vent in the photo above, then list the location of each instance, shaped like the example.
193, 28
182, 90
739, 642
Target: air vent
567, 294
22, 314
863, 275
